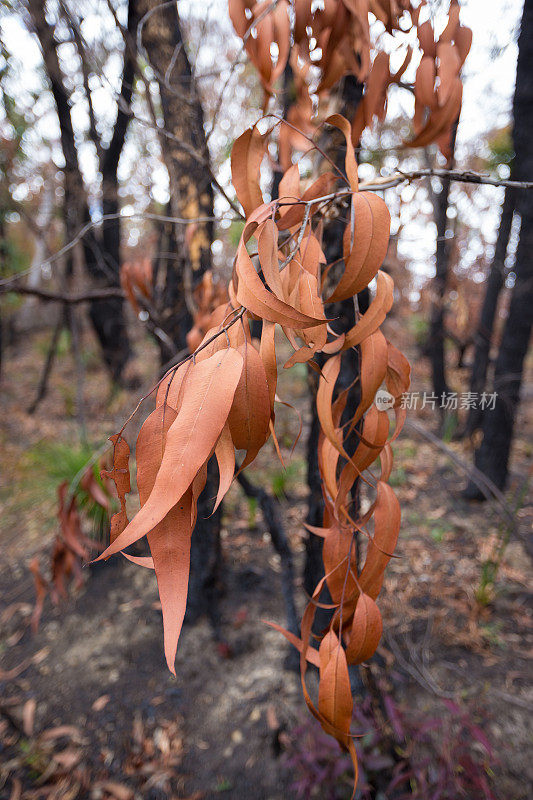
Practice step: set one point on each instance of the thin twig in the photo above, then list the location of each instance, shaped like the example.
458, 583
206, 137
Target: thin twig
377, 184
487, 487
465, 176
105, 218
253, 24
49, 363
280, 542
223, 330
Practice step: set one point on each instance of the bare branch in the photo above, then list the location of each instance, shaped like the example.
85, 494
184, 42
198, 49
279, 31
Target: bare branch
82, 53
450, 174
60, 297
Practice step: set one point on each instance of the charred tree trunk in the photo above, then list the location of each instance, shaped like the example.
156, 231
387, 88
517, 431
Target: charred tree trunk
343, 316
485, 329
188, 163
107, 316
492, 458
288, 98
187, 249
437, 336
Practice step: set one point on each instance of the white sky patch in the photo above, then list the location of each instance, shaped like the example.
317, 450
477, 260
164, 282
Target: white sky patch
488, 77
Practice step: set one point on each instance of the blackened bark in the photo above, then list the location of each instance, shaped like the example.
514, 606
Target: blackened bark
492, 458
187, 159
187, 252
288, 99
205, 580
343, 316
108, 316
485, 328
271, 514
436, 339
108, 320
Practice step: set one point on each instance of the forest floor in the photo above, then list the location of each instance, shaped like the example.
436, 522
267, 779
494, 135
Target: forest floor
87, 706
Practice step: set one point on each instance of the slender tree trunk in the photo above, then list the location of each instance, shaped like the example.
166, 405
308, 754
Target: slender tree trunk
187, 159
436, 340
492, 458
485, 329
188, 249
288, 98
343, 316
107, 316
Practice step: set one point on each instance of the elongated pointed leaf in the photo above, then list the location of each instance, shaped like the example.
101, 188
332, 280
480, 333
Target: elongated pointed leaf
335, 701
254, 295
387, 518
190, 441
246, 156
366, 630
375, 314
249, 416
225, 456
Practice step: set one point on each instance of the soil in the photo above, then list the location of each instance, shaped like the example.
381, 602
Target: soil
88, 708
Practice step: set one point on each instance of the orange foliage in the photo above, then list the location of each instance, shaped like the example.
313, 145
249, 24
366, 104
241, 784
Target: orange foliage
222, 397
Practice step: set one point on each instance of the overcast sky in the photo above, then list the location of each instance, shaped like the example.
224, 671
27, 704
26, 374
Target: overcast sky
488, 77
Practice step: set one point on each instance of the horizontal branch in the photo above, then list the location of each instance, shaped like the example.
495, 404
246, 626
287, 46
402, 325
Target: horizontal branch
59, 297
181, 358
375, 184
447, 174
89, 226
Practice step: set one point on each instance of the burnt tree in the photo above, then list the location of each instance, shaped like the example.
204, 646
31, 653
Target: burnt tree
435, 347
186, 249
485, 329
101, 252
492, 457
343, 318
185, 252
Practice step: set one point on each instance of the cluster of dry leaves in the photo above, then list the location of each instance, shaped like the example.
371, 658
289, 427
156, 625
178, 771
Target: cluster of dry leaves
136, 278
71, 548
221, 399
323, 42
62, 765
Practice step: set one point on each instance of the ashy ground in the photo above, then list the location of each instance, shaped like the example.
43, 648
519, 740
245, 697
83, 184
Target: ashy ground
87, 707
